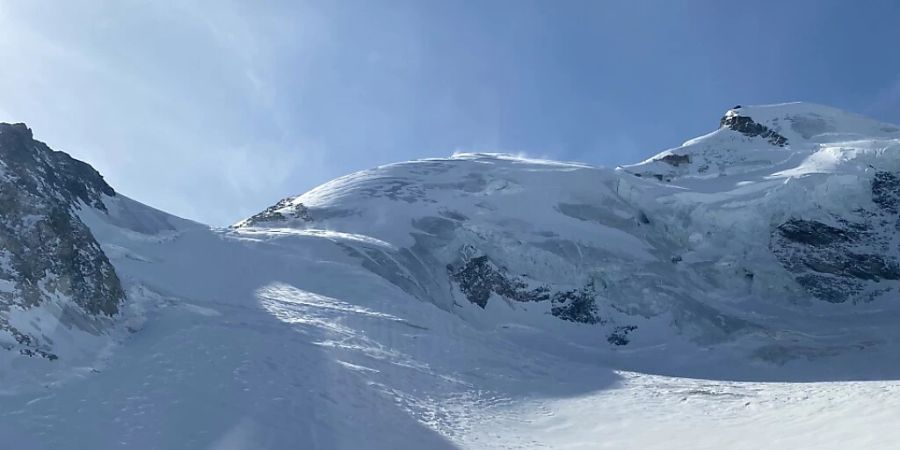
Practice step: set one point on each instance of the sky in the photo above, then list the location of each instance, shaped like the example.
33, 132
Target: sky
213, 110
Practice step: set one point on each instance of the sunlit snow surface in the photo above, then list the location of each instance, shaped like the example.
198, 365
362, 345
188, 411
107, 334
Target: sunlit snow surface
340, 332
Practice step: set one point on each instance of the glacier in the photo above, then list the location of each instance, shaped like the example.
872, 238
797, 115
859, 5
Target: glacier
746, 280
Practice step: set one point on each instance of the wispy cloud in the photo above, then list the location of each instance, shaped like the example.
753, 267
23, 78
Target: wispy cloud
215, 109
181, 118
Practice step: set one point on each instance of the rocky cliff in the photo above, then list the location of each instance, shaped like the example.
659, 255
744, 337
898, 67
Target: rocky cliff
51, 267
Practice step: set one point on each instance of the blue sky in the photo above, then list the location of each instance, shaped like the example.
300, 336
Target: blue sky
213, 110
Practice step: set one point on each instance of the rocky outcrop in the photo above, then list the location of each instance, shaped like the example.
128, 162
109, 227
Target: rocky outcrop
886, 192
479, 278
281, 211
851, 259
746, 126
832, 263
47, 255
577, 305
619, 336
676, 160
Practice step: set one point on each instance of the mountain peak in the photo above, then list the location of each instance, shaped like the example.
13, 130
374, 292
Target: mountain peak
764, 137
16, 128
747, 126
804, 121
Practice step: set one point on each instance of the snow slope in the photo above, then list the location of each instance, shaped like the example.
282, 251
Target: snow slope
490, 301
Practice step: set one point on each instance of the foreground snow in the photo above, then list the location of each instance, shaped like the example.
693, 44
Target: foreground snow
653, 412
278, 340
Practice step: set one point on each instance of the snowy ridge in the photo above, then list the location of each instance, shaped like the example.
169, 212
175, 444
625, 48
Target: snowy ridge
683, 246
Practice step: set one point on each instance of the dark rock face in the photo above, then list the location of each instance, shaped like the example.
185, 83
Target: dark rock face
886, 191
620, 335
577, 305
274, 213
36, 167
747, 127
846, 260
46, 252
814, 233
676, 160
478, 278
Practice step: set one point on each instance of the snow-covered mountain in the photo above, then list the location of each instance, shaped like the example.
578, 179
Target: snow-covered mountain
739, 235
445, 302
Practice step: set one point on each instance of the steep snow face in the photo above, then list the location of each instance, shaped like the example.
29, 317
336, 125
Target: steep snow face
523, 239
785, 209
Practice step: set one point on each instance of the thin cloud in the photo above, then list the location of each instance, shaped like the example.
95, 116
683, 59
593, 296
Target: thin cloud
189, 123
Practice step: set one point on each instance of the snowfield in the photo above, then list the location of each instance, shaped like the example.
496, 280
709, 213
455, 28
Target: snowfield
701, 299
